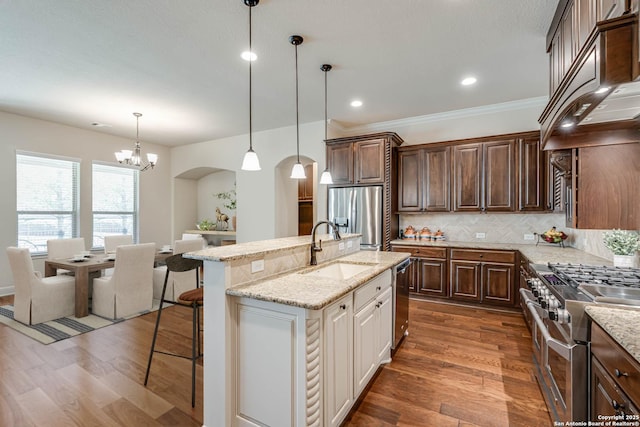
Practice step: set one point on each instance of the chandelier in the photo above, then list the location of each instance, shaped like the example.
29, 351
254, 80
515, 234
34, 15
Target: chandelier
133, 157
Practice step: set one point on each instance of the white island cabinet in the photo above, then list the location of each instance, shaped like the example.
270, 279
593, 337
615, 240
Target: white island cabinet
301, 367
285, 343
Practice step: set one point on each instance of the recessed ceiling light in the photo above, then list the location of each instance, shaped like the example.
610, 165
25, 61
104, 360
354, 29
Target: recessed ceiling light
468, 81
356, 103
603, 90
249, 56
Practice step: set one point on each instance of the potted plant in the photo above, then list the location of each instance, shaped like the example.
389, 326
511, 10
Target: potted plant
624, 245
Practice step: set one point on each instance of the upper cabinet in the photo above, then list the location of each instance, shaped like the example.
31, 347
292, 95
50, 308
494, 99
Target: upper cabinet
423, 180
361, 160
484, 176
502, 174
594, 75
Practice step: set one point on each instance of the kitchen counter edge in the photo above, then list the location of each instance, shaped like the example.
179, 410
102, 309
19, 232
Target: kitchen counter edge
314, 292
621, 323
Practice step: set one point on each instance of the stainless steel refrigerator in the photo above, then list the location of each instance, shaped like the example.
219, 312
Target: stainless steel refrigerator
358, 210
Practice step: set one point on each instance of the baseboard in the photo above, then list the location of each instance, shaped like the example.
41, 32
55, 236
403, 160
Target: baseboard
6, 290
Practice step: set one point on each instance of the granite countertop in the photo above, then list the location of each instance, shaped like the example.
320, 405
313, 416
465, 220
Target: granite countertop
540, 254
260, 247
621, 324
315, 292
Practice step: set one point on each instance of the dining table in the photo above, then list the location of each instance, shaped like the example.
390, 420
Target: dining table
82, 269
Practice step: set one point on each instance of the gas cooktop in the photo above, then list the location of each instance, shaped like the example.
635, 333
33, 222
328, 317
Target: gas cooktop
577, 274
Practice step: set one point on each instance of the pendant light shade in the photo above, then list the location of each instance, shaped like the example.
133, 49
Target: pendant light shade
298, 170
250, 161
326, 177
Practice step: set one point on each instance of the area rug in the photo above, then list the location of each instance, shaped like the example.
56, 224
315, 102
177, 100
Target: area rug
65, 327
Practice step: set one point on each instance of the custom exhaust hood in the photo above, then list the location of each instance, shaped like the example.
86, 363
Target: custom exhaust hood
596, 100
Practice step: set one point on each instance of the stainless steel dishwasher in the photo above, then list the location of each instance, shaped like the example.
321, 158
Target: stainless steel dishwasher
401, 301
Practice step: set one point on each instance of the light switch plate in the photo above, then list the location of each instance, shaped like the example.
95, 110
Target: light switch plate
528, 236
349, 244
257, 266
341, 246
481, 235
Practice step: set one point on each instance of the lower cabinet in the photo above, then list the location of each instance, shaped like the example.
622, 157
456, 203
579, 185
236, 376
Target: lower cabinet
338, 378
372, 338
292, 366
470, 275
615, 379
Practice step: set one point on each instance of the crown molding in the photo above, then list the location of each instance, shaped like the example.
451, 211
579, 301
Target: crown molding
539, 102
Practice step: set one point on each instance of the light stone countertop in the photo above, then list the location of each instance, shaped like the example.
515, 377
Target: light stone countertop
622, 324
315, 292
259, 247
541, 254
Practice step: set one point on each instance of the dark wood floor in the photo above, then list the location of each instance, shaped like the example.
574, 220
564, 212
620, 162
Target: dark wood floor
459, 367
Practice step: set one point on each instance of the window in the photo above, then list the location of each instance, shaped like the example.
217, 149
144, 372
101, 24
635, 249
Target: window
115, 202
47, 199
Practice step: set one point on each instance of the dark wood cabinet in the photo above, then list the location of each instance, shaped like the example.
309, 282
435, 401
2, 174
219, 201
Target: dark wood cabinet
465, 280
605, 193
485, 276
428, 272
305, 186
498, 284
340, 162
615, 378
499, 175
467, 177
484, 176
531, 175
369, 161
423, 180
410, 181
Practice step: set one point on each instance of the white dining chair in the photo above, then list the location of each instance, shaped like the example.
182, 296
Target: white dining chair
65, 248
178, 282
129, 290
38, 299
112, 242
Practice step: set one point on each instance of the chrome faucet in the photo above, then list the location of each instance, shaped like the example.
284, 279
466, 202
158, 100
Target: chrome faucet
314, 248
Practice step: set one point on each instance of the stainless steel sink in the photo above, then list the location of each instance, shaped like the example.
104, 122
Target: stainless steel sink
602, 292
339, 270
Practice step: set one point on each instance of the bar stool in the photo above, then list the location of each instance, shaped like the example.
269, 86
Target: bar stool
194, 299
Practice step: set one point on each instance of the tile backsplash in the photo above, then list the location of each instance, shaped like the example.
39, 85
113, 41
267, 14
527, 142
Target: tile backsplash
498, 228
507, 228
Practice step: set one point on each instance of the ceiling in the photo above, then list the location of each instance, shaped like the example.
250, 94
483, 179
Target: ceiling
178, 61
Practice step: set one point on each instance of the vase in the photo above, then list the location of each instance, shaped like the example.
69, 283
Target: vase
625, 260
233, 222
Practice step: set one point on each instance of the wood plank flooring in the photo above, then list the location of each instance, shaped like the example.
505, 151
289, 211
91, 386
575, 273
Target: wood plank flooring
458, 367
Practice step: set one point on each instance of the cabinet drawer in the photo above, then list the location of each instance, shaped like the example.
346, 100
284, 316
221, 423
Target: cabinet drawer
616, 362
483, 256
371, 289
423, 251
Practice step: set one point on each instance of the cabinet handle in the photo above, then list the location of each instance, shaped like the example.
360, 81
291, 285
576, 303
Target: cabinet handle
378, 288
616, 405
343, 306
620, 373
481, 255
378, 304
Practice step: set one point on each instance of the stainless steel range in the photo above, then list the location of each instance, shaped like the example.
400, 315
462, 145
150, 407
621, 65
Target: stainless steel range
554, 309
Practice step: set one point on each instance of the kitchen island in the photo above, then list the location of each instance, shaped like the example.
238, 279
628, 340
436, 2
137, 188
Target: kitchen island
289, 344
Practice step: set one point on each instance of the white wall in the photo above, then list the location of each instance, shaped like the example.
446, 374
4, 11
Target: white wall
258, 193
22, 133
185, 207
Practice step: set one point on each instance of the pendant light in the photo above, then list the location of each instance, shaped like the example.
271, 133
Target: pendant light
325, 178
250, 161
133, 157
298, 170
